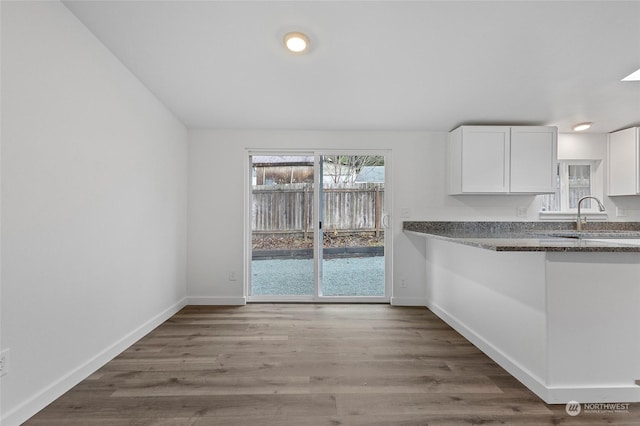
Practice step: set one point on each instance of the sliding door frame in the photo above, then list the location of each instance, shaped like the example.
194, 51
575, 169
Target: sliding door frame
317, 232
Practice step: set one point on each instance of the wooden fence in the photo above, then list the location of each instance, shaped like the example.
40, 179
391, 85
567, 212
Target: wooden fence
289, 208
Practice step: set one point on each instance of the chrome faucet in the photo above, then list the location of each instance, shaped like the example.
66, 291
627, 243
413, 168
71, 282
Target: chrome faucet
579, 219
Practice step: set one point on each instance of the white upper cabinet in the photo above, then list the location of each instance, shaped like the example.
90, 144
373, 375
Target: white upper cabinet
533, 159
502, 159
624, 162
479, 159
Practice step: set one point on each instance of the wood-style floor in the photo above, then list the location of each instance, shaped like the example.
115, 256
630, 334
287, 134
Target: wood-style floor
305, 364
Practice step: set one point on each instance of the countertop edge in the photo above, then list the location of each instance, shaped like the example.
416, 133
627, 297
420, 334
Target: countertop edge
571, 245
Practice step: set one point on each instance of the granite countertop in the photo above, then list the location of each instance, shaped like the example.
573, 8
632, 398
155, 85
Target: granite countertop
534, 236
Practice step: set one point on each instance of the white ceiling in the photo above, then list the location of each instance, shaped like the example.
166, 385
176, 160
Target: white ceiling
384, 65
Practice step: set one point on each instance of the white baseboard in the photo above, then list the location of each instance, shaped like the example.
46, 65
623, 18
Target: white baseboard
408, 301
222, 301
33, 405
523, 375
585, 395
550, 395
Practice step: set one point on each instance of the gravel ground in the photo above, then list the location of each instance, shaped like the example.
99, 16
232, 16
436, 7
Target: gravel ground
362, 239
354, 276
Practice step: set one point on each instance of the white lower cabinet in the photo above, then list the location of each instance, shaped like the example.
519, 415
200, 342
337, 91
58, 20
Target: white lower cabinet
624, 162
502, 160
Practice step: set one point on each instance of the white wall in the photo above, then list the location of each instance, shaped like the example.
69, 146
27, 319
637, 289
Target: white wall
593, 146
216, 198
216, 201
582, 146
93, 206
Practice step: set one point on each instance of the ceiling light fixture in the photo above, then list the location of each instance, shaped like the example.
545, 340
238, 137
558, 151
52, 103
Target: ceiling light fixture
581, 126
634, 76
296, 42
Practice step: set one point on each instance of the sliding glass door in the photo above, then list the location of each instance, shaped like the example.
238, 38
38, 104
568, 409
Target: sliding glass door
283, 226
352, 208
317, 227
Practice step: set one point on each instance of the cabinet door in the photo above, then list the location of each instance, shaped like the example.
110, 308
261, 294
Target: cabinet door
623, 162
533, 159
485, 159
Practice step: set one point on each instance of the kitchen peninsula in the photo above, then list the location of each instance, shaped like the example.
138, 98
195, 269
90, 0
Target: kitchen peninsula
558, 309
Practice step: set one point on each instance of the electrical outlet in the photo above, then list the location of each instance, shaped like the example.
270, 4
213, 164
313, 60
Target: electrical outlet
620, 212
521, 212
403, 283
405, 212
233, 276
4, 362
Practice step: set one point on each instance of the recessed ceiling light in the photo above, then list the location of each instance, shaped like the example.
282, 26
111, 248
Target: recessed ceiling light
581, 126
296, 42
634, 76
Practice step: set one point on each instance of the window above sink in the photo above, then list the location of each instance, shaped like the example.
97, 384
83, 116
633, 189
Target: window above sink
574, 180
